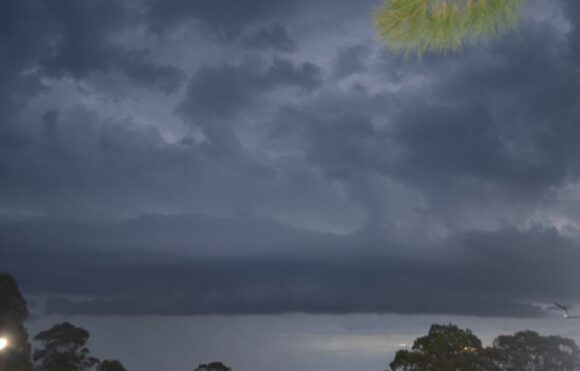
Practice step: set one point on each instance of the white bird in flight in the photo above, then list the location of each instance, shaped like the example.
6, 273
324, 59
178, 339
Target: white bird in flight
565, 310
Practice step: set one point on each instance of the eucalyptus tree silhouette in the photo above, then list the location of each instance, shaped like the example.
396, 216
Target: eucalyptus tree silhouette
447, 347
529, 351
213, 366
63, 349
111, 365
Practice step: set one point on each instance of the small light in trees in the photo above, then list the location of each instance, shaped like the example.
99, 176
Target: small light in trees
3, 343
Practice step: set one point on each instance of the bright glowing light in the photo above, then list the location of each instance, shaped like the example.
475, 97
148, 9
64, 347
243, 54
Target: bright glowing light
3, 343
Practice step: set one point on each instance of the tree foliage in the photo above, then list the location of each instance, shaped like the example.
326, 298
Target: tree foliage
448, 348
13, 312
441, 25
213, 366
444, 348
63, 349
113, 365
528, 351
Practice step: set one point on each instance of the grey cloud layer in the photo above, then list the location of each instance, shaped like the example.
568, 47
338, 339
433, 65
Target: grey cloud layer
275, 117
221, 92
71, 38
260, 266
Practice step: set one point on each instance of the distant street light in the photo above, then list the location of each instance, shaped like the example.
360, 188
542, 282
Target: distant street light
3, 346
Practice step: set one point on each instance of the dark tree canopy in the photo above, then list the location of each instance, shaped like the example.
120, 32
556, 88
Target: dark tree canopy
213, 366
113, 365
63, 349
13, 312
448, 348
445, 348
528, 351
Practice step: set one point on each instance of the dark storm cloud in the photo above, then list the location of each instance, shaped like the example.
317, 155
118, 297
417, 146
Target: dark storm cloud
82, 35
226, 17
76, 159
513, 135
230, 19
351, 59
50, 120
342, 138
22, 28
72, 38
222, 91
76, 164
477, 273
513, 132
84, 43
274, 37
141, 70
412, 144
488, 124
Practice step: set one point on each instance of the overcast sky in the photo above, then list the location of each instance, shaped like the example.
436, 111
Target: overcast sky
188, 157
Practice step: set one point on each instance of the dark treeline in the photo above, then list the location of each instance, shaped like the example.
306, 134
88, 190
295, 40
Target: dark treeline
214, 366
449, 348
63, 347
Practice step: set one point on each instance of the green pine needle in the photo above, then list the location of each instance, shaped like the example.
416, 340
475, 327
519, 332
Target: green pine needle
441, 25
